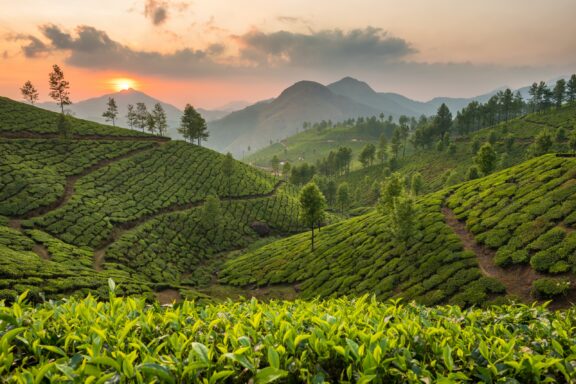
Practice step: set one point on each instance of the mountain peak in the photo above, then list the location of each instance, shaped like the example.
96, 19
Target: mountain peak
351, 85
305, 87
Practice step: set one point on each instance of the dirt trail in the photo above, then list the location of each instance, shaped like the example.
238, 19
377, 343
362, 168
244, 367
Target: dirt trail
121, 228
41, 251
168, 296
517, 279
37, 136
71, 182
15, 224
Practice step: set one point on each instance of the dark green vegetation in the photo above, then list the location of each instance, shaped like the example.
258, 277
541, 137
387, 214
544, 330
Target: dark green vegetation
348, 341
523, 215
77, 211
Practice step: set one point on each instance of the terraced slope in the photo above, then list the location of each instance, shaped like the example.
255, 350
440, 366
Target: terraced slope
20, 119
523, 215
128, 208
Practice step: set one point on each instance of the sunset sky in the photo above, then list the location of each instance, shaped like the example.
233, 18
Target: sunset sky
211, 52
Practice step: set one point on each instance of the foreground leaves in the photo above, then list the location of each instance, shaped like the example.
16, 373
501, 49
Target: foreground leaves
343, 340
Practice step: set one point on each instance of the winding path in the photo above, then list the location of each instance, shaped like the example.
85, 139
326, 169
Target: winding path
517, 279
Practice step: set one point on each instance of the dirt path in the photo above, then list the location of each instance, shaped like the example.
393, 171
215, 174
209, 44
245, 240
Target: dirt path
15, 224
168, 296
517, 279
71, 182
41, 251
121, 228
37, 135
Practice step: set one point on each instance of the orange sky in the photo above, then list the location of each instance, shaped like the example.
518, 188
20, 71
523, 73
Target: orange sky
211, 52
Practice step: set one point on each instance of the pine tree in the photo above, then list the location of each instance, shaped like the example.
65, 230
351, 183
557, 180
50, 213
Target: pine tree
59, 88
571, 89
111, 111
559, 92
29, 92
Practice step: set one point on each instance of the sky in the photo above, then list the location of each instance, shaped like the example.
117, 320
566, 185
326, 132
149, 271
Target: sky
212, 52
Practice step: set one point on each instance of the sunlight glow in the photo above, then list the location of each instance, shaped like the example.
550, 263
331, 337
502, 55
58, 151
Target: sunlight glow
123, 84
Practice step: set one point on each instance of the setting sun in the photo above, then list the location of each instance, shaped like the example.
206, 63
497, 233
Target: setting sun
123, 84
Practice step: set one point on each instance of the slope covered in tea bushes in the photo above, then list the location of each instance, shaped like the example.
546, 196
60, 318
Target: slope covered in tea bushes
522, 215
338, 340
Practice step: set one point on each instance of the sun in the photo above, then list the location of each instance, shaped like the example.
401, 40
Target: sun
123, 84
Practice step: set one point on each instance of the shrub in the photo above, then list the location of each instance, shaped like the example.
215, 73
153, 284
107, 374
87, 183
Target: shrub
547, 287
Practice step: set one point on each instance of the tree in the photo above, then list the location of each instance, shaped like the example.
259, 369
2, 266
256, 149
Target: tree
275, 164
192, 125
111, 111
486, 159
571, 89
391, 188
442, 121
343, 196
396, 142
59, 88
535, 99
211, 213
160, 118
228, 171
150, 123
404, 132
131, 117
367, 155
286, 170
559, 92
141, 116
382, 149
572, 142
473, 173
543, 142
312, 205
403, 218
29, 92
416, 183
64, 126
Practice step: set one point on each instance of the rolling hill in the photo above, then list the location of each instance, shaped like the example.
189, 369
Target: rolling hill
110, 202
498, 234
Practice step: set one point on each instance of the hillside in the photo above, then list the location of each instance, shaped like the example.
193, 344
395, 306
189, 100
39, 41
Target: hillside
77, 211
518, 227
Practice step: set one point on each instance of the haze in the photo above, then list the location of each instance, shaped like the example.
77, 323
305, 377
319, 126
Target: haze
212, 52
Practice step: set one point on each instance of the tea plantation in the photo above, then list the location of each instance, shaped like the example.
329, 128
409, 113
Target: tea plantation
523, 215
339, 340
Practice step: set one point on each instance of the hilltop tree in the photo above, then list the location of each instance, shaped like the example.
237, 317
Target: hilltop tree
367, 155
343, 196
111, 111
228, 170
486, 159
391, 188
571, 89
29, 92
275, 164
535, 97
193, 126
160, 119
312, 205
150, 123
559, 92
141, 116
59, 88
131, 116
442, 121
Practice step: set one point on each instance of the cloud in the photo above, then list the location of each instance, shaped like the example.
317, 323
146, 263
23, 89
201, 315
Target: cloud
156, 11
326, 47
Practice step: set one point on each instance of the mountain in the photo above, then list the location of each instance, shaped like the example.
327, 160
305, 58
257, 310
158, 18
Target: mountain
258, 124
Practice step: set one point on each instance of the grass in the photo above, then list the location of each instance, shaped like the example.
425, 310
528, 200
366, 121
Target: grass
338, 340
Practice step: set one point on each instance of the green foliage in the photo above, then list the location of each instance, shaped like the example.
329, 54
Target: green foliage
319, 341
312, 206
549, 287
486, 159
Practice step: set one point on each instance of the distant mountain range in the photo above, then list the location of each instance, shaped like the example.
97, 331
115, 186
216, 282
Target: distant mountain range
308, 101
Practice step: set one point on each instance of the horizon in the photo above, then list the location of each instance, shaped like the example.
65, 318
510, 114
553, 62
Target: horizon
197, 52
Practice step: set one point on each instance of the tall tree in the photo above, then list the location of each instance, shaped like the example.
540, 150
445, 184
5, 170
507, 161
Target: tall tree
29, 92
343, 196
396, 142
131, 117
391, 188
275, 164
312, 206
150, 123
111, 111
382, 149
286, 170
211, 213
160, 119
59, 88
192, 125
486, 159
535, 99
416, 183
141, 117
442, 121
403, 218
559, 92
542, 143
571, 89
404, 132
367, 155
228, 171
